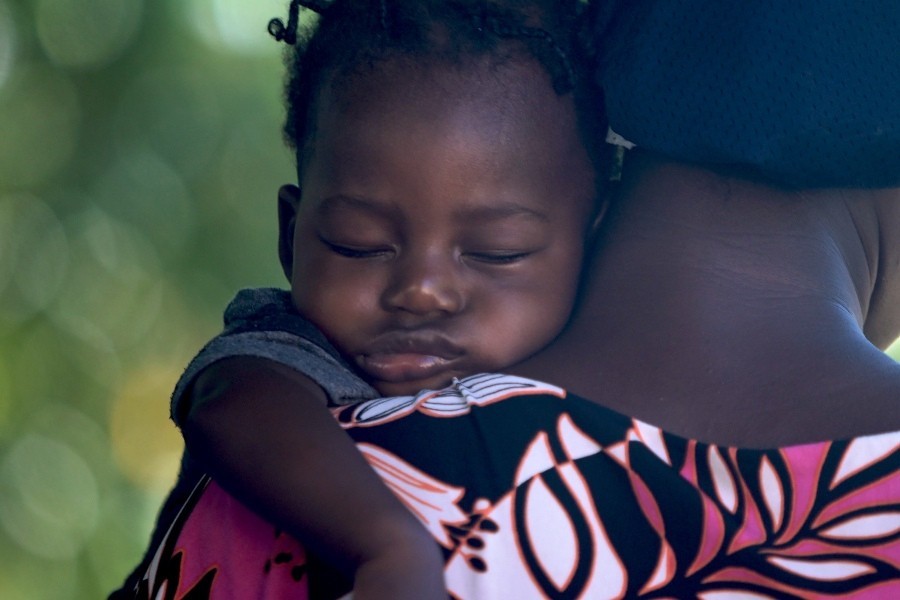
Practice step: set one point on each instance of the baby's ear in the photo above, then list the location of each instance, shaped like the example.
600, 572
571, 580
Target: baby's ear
599, 214
288, 202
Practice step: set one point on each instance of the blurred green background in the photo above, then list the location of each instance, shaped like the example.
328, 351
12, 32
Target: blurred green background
140, 155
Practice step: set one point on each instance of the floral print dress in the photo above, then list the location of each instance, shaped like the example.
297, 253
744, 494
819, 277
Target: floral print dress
534, 493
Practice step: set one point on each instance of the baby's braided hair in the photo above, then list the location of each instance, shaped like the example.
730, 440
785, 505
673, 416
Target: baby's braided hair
353, 34
564, 78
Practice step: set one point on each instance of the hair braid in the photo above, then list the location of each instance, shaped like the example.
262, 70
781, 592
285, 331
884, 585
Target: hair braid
563, 81
288, 33
357, 34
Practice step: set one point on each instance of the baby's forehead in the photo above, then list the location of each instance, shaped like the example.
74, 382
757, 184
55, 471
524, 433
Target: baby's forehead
513, 101
511, 141
506, 80
486, 93
426, 124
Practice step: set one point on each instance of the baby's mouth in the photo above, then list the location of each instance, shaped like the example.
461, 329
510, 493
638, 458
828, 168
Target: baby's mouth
397, 368
401, 358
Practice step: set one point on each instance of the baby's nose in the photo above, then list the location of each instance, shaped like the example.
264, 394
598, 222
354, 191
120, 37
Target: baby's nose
426, 285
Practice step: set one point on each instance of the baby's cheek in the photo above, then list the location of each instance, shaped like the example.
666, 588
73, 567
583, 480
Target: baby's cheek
528, 326
556, 299
563, 280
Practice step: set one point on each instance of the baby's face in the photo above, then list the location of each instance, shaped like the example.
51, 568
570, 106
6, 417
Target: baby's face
442, 223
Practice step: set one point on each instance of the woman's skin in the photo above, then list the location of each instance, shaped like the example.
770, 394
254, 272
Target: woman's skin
737, 313
715, 307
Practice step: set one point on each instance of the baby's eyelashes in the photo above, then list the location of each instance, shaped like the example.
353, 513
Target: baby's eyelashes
499, 257
350, 251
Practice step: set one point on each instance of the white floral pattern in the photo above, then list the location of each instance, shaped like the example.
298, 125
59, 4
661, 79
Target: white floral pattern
533, 494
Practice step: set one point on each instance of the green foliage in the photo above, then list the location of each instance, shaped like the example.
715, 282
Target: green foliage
140, 156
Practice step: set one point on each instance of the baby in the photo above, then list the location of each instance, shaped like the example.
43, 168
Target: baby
447, 193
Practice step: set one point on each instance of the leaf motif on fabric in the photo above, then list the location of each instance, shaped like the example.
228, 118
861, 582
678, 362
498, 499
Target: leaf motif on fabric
734, 594
382, 410
453, 401
865, 527
723, 481
652, 438
772, 491
551, 533
538, 457
434, 502
576, 443
549, 539
864, 452
664, 571
822, 570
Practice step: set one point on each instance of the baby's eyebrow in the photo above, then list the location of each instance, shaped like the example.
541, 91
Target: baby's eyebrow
495, 211
500, 211
334, 204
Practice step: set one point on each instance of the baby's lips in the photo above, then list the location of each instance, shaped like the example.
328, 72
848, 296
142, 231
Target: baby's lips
398, 367
421, 343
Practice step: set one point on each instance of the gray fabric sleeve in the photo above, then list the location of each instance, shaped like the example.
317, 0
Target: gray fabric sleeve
267, 330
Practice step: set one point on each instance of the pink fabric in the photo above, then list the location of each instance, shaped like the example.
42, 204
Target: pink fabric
819, 520
219, 550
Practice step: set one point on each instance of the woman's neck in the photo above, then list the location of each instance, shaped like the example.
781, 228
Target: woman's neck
727, 311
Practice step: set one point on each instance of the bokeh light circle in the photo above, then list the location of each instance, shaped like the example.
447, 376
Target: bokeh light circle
176, 114
142, 189
236, 25
8, 40
51, 502
34, 256
145, 443
26, 577
120, 244
86, 33
6, 400
39, 118
111, 297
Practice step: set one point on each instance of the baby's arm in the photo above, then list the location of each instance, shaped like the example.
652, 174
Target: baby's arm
264, 433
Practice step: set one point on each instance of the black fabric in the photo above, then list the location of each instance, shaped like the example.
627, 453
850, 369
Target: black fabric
806, 92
